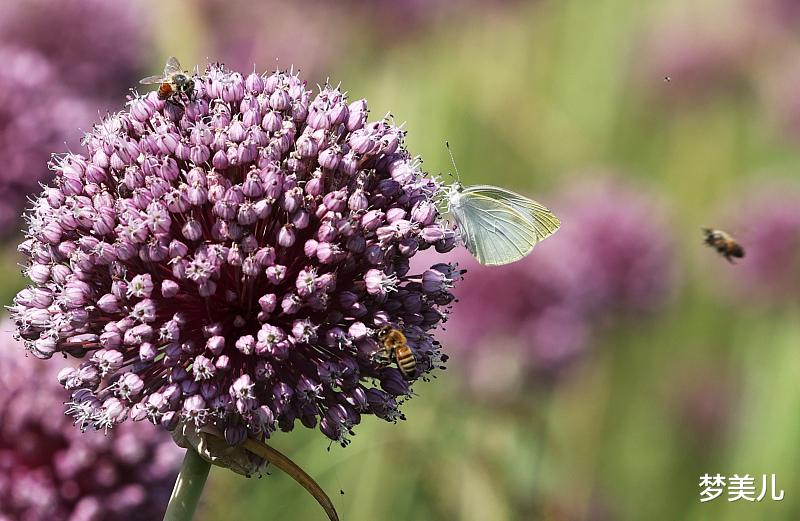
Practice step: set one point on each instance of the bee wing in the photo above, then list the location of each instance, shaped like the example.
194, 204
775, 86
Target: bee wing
173, 66
151, 80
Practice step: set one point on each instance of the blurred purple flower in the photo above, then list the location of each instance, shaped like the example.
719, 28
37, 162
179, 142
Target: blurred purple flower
248, 32
227, 259
36, 116
766, 221
528, 306
696, 56
95, 46
771, 16
50, 470
610, 258
781, 99
399, 20
620, 247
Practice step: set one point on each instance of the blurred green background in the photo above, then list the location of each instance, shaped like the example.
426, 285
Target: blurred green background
690, 103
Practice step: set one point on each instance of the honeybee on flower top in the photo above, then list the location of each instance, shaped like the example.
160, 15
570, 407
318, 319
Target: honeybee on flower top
174, 81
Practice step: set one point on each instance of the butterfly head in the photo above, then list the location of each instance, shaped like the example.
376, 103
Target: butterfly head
454, 194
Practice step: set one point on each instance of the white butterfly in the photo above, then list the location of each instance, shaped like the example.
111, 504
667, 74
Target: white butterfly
497, 225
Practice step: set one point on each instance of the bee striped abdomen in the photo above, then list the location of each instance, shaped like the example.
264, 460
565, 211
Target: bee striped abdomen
405, 361
394, 342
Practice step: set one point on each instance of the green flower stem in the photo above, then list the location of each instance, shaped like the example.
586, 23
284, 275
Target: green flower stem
188, 487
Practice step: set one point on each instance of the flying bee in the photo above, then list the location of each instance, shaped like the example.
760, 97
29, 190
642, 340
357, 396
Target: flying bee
395, 346
723, 243
174, 81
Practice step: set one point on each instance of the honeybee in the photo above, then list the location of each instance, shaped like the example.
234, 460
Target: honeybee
723, 243
395, 346
174, 80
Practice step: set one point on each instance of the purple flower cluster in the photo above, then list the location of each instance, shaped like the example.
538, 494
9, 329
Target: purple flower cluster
402, 20
238, 37
620, 247
36, 115
226, 258
50, 470
62, 61
766, 221
529, 306
611, 258
744, 50
780, 98
775, 18
331, 30
95, 46
699, 58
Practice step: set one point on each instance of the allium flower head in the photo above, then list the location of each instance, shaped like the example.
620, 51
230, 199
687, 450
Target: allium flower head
36, 115
50, 470
227, 259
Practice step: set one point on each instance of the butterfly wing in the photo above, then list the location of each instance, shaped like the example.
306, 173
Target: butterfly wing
499, 226
544, 222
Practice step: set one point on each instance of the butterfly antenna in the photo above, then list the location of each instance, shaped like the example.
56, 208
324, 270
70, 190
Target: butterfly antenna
452, 160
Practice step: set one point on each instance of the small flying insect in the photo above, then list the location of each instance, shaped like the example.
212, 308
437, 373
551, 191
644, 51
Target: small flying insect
724, 244
395, 346
174, 81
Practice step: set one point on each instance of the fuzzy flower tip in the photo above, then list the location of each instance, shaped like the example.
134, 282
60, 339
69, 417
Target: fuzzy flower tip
227, 258
49, 470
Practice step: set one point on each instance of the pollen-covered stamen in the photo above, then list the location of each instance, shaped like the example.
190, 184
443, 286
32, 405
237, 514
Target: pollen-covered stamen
203, 368
110, 413
83, 407
195, 410
379, 283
